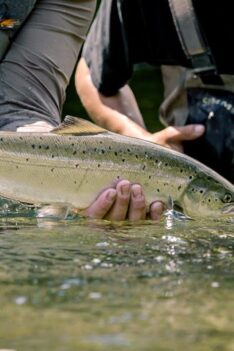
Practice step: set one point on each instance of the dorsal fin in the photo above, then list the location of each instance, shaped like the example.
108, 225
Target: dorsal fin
78, 126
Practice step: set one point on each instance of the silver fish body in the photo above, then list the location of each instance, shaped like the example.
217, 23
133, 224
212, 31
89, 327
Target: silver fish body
66, 169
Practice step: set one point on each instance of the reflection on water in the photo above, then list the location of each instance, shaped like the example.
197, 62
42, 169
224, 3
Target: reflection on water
92, 285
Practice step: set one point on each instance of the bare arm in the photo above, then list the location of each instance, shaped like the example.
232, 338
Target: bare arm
120, 113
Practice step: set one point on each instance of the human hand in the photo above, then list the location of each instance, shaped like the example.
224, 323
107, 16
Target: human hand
125, 201
37, 127
172, 137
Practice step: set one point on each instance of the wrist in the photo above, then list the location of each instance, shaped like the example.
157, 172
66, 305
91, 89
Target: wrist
134, 130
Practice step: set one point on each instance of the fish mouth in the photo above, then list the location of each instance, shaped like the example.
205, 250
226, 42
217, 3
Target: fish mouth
228, 209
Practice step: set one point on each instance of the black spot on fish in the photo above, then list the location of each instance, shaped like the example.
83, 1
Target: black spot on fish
180, 186
100, 142
201, 191
123, 159
74, 152
1, 139
99, 165
77, 165
39, 147
136, 156
72, 144
74, 181
84, 152
52, 156
143, 168
52, 170
110, 147
128, 150
190, 177
103, 151
156, 161
21, 138
158, 190
33, 146
116, 153
47, 147
150, 176
166, 164
181, 171
27, 159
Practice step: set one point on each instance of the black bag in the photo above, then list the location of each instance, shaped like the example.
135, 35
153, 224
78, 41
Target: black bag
215, 110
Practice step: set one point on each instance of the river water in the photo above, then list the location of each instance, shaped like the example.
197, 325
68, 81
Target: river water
93, 285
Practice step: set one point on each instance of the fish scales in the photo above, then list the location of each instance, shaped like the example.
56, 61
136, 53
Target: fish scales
73, 167
51, 169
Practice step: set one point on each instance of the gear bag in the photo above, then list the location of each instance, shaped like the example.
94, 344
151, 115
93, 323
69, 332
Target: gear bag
200, 95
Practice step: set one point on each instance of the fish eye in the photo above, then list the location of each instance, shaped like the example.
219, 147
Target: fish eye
227, 198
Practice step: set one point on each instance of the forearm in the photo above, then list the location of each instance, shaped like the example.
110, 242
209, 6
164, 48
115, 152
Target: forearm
118, 113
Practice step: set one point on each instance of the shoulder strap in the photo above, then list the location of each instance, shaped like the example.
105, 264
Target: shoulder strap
193, 42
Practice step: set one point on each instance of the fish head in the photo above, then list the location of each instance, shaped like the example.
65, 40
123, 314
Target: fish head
209, 197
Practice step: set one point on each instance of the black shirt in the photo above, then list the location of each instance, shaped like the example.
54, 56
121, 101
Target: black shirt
126, 32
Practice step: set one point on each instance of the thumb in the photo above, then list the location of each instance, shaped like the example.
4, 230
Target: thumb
189, 132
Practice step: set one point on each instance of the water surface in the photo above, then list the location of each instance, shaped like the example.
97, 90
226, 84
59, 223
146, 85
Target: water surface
81, 285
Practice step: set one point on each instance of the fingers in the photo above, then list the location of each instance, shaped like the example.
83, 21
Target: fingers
99, 208
119, 210
156, 210
130, 203
137, 206
172, 137
189, 132
126, 201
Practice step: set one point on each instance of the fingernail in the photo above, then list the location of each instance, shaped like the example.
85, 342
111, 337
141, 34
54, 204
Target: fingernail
199, 129
111, 195
125, 189
158, 206
136, 190
156, 210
